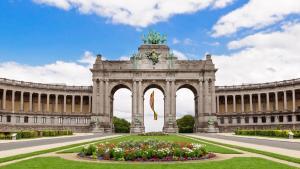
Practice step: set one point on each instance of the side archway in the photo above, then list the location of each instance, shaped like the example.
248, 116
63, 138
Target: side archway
186, 107
120, 107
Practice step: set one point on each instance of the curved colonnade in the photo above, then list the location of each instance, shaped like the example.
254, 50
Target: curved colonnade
26, 105
259, 106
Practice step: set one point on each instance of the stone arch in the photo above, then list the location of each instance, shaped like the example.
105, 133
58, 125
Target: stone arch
154, 85
188, 86
195, 92
160, 110
113, 89
117, 86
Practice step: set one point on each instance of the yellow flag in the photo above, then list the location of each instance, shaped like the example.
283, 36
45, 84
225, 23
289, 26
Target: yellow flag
152, 105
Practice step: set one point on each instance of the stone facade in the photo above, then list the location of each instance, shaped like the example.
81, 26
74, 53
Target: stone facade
25, 105
140, 73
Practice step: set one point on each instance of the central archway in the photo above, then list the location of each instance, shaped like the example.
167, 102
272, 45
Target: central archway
149, 122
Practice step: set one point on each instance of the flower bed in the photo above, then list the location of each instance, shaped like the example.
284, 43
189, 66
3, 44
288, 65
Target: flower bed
147, 150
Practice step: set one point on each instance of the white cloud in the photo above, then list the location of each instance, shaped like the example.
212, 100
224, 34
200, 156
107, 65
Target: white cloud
56, 3
124, 58
222, 3
254, 15
71, 73
135, 12
180, 55
175, 41
263, 57
88, 58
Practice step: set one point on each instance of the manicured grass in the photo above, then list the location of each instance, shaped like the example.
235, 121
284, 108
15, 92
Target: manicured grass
234, 163
20, 156
175, 138
270, 154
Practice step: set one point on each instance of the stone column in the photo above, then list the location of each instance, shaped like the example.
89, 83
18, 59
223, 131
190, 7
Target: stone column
48, 102
140, 98
268, 101
73, 104
226, 109
259, 102
140, 101
276, 100
65, 103
134, 93
13, 101
39, 102
206, 95
173, 98
251, 102
284, 101
242, 103
234, 103
81, 103
213, 97
4, 99
90, 104
200, 114
22, 101
294, 100
136, 125
100, 105
56, 103
107, 98
30, 102
218, 104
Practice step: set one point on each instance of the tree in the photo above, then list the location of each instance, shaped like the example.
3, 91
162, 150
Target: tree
121, 125
186, 124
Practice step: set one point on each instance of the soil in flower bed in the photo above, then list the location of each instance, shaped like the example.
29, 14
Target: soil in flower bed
147, 150
165, 159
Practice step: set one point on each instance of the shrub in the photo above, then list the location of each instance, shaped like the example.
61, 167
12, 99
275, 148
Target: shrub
186, 124
269, 133
121, 125
89, 150
35, 133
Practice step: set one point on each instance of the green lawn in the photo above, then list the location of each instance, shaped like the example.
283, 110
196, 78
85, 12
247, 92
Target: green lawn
20, 156
234, 163
270, 154
176, 138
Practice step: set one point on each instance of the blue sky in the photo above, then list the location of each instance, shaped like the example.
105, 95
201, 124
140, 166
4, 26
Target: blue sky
36, 34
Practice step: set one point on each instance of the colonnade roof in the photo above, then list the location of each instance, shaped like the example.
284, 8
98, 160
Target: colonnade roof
283, 83
44, 85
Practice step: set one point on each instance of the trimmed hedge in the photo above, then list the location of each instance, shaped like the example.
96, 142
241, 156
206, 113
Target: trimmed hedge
269, 133
35, 133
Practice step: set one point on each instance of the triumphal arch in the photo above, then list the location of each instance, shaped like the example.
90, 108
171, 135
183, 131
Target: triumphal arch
154, 65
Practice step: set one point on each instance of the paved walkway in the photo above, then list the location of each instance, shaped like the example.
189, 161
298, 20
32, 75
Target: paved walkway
14, 148
248, 154
279, 147
260, 141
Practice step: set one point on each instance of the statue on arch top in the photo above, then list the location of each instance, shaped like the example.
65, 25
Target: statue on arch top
154, 37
